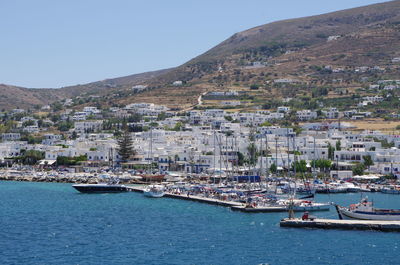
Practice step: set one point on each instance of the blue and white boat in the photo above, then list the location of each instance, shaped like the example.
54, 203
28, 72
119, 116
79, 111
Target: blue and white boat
365, 210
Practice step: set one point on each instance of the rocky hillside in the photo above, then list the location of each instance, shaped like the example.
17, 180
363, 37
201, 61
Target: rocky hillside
334, 51
20, 97
339, 49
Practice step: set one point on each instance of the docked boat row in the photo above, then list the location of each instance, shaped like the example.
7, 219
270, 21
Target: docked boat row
251, 201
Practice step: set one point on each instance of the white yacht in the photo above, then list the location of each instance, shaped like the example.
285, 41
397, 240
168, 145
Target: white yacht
154, 191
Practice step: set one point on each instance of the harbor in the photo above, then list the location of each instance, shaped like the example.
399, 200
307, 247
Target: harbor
70, 220
255, 195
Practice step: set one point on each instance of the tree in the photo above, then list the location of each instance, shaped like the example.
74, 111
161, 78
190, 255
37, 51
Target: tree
70, 161
273, 168
254, 86
338, 145
358, 169
331, 151
74, 135
240, 157
178, 126
125, 144
64, 126
368, 161
161, 116
323, 164
228, 118
31, 157
265, 124
301, 166
253, 154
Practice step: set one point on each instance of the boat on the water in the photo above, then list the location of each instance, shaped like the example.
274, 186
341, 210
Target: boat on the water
154, 191
365, 210
283, 206
306, 205
100, 188
392, 189
112, 186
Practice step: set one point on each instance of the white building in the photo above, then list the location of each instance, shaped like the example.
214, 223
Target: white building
283, 109
177, 83
31, 129
51, 139
91, 110
305, 115
10, 136
88, 126
331, 113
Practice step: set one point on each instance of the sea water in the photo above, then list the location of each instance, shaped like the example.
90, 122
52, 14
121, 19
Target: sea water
50, 223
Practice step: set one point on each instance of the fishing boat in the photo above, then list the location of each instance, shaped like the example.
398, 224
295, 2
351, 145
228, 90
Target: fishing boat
365, 210
154, 191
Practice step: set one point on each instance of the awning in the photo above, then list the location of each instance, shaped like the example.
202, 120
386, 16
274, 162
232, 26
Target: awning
367, 177
47, 162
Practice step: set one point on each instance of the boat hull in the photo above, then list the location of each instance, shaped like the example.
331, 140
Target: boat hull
368, 216
151, 194
320, 207
100, 188
283, 208
389, 191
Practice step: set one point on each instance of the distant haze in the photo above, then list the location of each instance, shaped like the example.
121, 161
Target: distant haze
51, 44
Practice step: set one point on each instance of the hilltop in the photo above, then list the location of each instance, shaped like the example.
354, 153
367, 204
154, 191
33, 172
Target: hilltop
331, 50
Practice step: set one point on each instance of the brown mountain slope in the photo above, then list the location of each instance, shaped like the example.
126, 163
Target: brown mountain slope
365, 36
13, 97
296, 48
276, 38
308, 30
18, 97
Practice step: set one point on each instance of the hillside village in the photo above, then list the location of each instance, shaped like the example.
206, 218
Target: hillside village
282, 98
200, 141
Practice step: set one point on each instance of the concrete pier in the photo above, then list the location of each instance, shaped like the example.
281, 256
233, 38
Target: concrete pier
386, 226
266, 209
193, 198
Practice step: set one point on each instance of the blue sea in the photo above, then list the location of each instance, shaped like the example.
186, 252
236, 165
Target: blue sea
49, 223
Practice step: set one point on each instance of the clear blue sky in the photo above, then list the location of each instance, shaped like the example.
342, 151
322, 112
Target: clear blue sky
55, 43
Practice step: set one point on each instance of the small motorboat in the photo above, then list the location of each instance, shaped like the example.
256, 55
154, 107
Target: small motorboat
392, 189
154, 191
365, 210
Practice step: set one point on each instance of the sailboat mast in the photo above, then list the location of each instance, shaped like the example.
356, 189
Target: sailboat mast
266, 156
261, 162
151, 150
288, 150
314, 158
